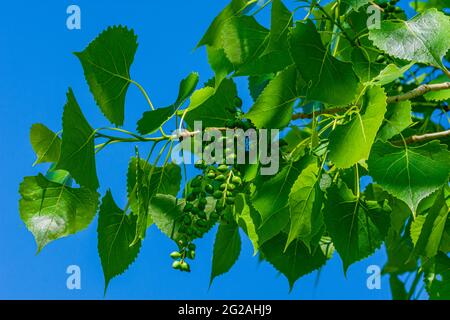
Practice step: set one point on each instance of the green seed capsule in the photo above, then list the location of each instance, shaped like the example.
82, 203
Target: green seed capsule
203, 201
229, 194
231, 186
188, 207
211, 175
236, 180
192, 246
230, 200
223, 186
191, 254
185, 266
223, 168
220, 178
175, 255
176, 265
218, 194
209, 188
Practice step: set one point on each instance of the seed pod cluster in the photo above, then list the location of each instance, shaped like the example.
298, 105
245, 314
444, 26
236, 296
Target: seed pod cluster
188, 252
390, 10
221, 183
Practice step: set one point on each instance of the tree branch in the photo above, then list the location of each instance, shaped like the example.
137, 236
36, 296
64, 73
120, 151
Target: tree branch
423, 137
419, 91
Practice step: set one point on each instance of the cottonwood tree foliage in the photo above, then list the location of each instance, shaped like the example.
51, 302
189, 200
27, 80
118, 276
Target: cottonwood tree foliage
352, 101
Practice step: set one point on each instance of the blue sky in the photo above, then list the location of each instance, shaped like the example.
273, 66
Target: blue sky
37, 67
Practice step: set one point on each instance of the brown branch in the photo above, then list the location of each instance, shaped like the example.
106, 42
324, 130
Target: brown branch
423, 137
419, 91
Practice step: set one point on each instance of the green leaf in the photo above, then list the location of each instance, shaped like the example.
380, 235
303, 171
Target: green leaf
77, 149
410, 173
398, 243
396, 119
166, 212
213, 34
427, 229
352, 142
140, 198
247, 219
273, 108
440, 95
165, 179
425, 38
219, 63
329, 80
213, 112
52, 211
420, 6
397, 288
363, 66
356, 4
271, 200
227, 248
305, 203
146, 181
106, 63
153, 120
280, 22
275, 55
199, 97
46, 144
390, 73
242, 38
437, 277
296, 261
357, 227
59, 176
257, 84
115, 234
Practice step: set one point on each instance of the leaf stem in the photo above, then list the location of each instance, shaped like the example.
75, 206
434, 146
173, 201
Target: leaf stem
357, 187
141, 88
337, 23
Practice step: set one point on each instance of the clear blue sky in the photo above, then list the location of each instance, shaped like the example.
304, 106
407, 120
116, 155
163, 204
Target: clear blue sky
37, 67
